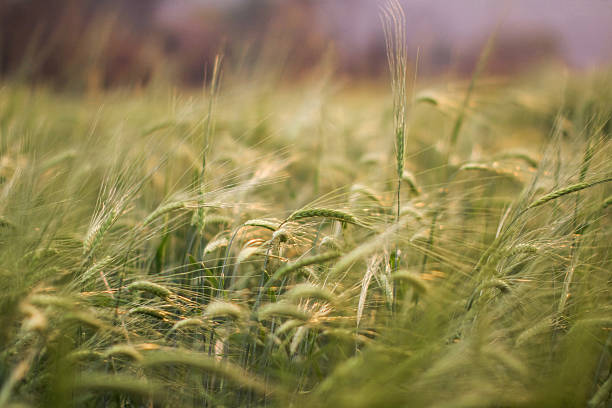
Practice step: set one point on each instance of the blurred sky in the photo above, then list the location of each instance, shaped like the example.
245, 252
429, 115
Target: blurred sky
582, 28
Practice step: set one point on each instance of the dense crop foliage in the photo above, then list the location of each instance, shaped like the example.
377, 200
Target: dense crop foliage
243, 246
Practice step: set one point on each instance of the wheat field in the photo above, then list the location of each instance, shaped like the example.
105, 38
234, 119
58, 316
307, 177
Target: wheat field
442, 244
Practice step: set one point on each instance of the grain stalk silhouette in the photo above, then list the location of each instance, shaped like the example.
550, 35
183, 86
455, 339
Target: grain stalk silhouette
394, 27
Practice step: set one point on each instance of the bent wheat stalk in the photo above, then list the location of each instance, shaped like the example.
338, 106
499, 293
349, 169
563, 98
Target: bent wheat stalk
294, 266
323, 213
565, 191
208, 364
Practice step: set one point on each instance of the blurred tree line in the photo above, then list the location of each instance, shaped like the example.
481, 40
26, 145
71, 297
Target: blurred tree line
75, 42
94, 44
102, 43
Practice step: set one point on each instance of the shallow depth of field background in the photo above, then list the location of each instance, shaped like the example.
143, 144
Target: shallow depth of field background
302, 203
113, 42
